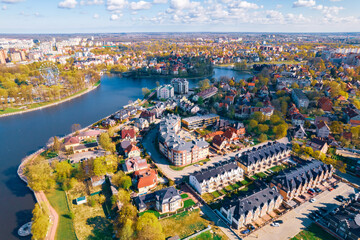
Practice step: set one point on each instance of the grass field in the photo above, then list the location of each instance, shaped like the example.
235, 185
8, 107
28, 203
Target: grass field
184, 195
90, 221
183, 224
208, 236
313, 232
189, 203
65, 230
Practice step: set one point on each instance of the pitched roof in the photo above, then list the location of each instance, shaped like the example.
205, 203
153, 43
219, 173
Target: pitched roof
213, 171
131, 148
146, 177
71, 140
130, 132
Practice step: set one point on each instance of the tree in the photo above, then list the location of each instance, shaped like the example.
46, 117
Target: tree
253, 124
148, 227
296, 148
123, 196
336, 127
258, 116
56, 145
63, 171
145, 91
39, 175
41, 222
116, 178
281, 130
125, 182
200, 101
204, 84
99, 166
106, 143
262, 137
127, 230
75, 127
274, 119
262, 128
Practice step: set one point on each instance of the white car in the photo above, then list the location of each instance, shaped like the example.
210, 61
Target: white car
196, 165
312, 200
273, 224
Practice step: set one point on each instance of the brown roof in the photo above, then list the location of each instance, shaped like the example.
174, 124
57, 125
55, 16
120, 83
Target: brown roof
71, 140
131, 148
128, 132
218, 140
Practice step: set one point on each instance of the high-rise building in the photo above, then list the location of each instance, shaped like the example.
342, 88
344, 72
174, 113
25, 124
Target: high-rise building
165, 92
181, 85
3, 56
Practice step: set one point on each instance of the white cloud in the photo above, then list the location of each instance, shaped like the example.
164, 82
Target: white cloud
140, 5
91, 2
96, 16
115, 17
183, 4
304, 3
68, 4
160, 1
4, 7
116, 5
11, 1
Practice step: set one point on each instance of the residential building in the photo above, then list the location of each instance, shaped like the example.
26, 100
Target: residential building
149, 116
299, 98
352, 115
108, 122
220, 142
87, 147
165, 92
71, 142
345, 221
134, 164
208, 93
141, 123
241, 211
297, 180
298, 119
97, 180
322, 130
200, 121
259, 159
318, 145
128, 134
299, 132
178, 151
3, 56
181, 85
90, 134
164, 200
216, 177
325, 104
132, 151
146, 180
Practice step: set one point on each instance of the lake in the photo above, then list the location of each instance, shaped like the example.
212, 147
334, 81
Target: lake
23, 134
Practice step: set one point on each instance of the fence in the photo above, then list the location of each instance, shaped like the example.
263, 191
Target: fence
198, 233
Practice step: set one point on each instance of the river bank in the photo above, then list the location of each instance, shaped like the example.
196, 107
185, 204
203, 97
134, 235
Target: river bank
78, 94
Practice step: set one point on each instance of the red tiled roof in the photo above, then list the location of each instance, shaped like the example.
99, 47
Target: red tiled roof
131, 148
128, 132
71, 140
147, 177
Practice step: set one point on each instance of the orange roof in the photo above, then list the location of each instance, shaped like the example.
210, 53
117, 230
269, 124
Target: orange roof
131, 148
146, 177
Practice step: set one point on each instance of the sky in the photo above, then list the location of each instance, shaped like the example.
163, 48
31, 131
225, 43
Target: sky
101, 16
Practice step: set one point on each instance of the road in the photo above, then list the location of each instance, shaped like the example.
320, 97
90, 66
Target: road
163, 164
54, 217
297, 219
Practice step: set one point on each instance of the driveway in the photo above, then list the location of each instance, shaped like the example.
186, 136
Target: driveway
297, 219
163, 164
92, 154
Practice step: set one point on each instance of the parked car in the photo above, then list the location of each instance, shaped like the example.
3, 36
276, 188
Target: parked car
336, 186
279, 221
318, 190
274, 224
330, 189
312, 200
196, 165
251, 227
310, 192
247, 231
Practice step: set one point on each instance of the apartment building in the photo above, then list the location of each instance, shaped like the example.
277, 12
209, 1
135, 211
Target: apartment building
181, 85
200, 121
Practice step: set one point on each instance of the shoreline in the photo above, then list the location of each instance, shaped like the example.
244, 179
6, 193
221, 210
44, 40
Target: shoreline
51, 104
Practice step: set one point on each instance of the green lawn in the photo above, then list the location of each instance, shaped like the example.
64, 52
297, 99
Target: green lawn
184, 195
261, 175
278, 168
208, 197
208, 236
189, 203
313, 232
235, 186
244, 182
255, 177
216, 194
183, 224
58, 201
229, 188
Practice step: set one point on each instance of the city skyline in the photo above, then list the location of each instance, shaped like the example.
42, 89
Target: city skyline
102, 16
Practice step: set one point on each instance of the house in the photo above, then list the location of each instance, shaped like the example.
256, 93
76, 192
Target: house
299, 132
298, 119
164, 200
165, 92
141, 123
297, 180
299, 98
241, 211
90, 134
132, 151
146, 180
208, 93
352, 115
128, 134
220, 142
149, 116
108, 122
87, 147
71, 142
134, 164
231, 134
322, 130
239, 128
122, 115
80, 200
345, 220
259, 159
216, 177
318, 145
325, 104
97, 180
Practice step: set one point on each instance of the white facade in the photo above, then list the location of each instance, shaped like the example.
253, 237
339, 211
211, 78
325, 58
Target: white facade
165, 92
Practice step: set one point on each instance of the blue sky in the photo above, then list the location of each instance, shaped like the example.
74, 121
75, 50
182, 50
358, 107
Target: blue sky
92, 16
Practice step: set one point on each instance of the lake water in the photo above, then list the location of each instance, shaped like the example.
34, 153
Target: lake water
23, 134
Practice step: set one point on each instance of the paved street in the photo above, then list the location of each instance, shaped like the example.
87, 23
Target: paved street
297, 219
163, 163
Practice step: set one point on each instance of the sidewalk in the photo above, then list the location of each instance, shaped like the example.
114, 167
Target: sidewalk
54, 217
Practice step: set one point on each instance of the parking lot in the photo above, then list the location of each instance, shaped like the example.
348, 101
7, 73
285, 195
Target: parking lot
75, 158
298, 219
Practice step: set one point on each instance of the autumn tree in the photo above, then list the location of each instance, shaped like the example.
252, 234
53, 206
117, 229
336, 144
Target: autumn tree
40, 221
148, 227
39, 175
